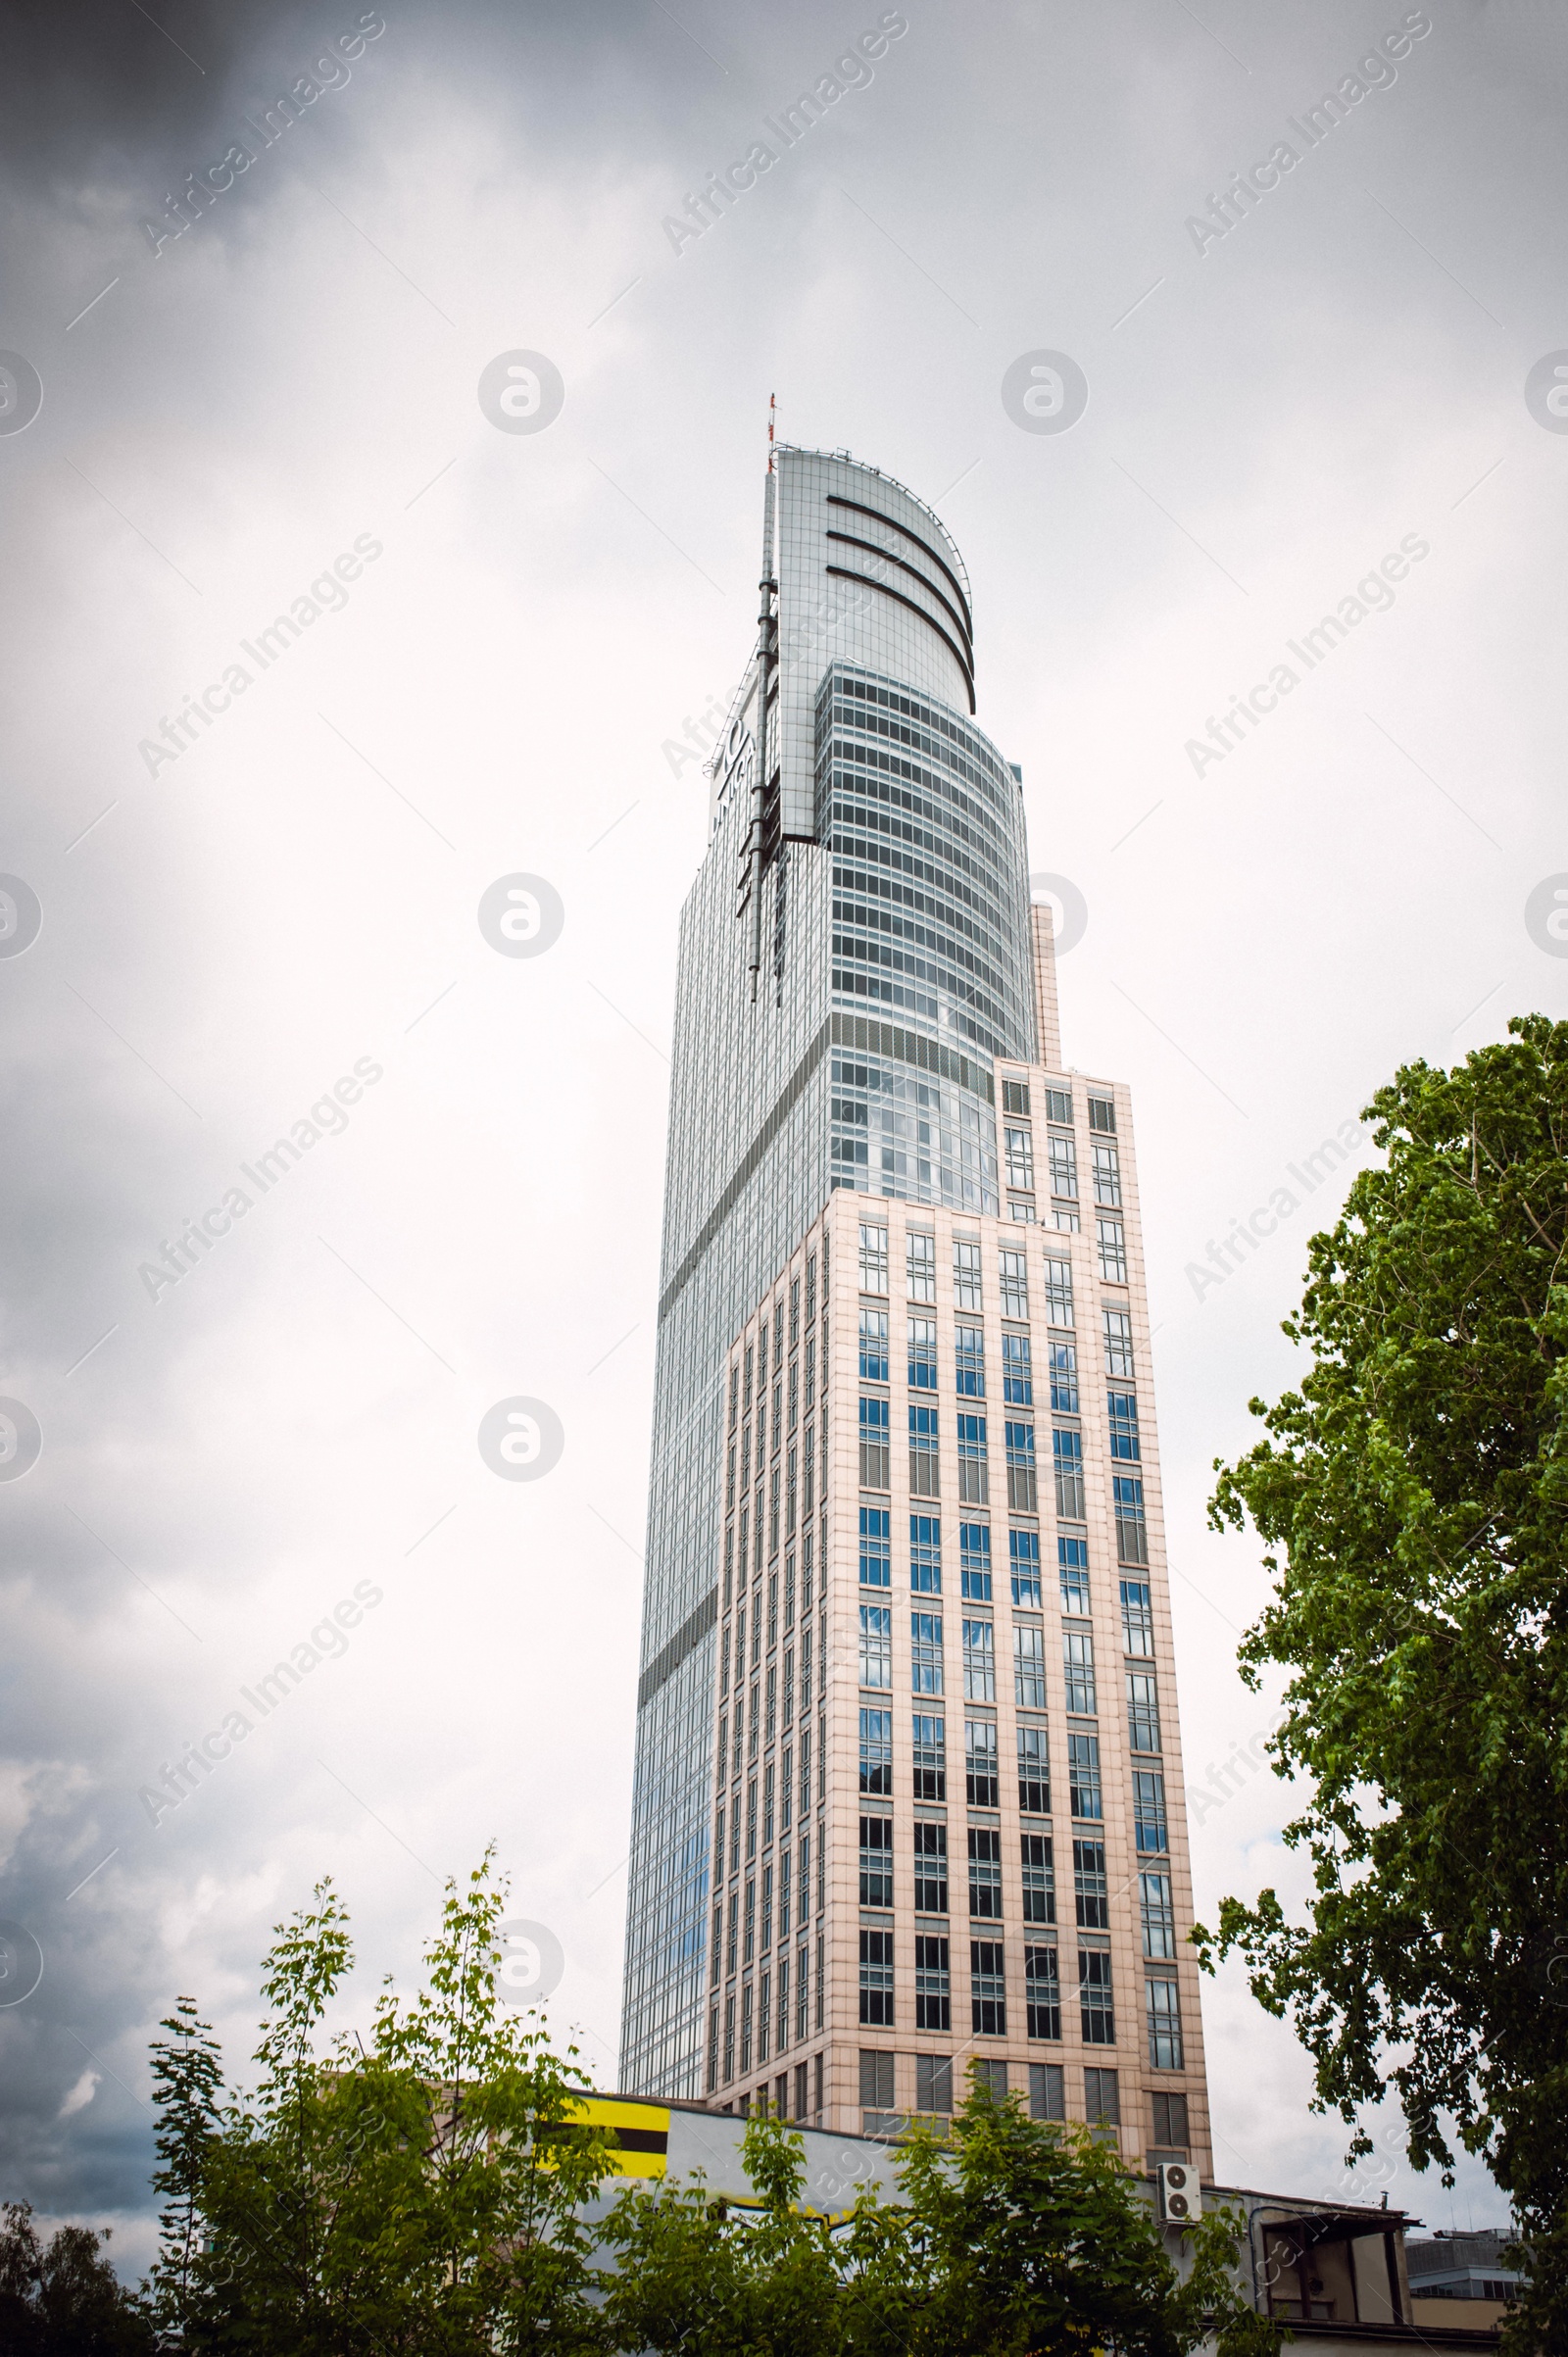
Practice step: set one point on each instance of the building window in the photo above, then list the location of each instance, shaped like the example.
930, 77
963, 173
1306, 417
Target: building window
1122, 1409
925, 1652
1062, 1155
1063, 1359
1014, 1271
1072, 1563
993, 2075
1068, 1458
877, 1861
988, 1989
876, 1646
876, 1994
784, 1890
1083, 1776
1137, 1618
811, 1290
923, 1459
985, 1871
1108, 1176
925, 1554
1047, 2091
922, 1264
969, 1352
1015, 1096
930, 1758
1059, 1293
1099, 2015
873, 1346
1118, 1343
933, 2073
876, 1548
1029, 1668
1017, 1371
982, 1782
1101, 2106
873, 1257
1023, 1496
1034, 1772
803, 1992
1041, 1990
974, 1562
1103, 1116
1059, 1106
1091, 1889
979, 1661
1111, 1237
1019, 1148
933, 1993
930, 1872
1163, 2017
1170, 2124
973, 1482
876, 1752
1023, 1556
876, 1455
1143, 1711
767, 1905
965, 1275
922, 1355
748, 1942
1148, 1812
783, 1988
1039, 1880
1157, 1915
1078, 1666
1132, 1536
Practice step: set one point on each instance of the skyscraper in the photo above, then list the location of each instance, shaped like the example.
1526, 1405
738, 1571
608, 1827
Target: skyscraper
907, 1793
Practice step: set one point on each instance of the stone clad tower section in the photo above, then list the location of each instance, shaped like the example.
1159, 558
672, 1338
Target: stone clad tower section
907, 1793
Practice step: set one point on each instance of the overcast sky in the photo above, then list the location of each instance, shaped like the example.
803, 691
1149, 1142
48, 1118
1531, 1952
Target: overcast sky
228, 932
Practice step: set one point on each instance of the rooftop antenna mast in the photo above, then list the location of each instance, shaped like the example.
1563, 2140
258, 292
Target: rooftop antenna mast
766, 587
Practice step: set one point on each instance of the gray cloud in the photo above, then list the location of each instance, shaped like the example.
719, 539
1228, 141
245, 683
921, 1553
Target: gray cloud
301, 887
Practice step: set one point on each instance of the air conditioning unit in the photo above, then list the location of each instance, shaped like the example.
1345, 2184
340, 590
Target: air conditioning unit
1181, 2202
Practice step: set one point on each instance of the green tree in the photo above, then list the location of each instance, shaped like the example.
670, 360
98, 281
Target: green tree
1017, 2237
187, 2078
703, 2277
1009, 2237
62, 2298
418, 2195
1412, 1498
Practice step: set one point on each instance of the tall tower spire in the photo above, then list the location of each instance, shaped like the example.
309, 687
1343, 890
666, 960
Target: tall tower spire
909, 1792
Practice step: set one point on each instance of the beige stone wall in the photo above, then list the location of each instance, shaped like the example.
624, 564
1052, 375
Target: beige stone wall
841, 2039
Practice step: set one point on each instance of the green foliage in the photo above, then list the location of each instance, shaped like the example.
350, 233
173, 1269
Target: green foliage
418, 2196
1413, 1497
188, 2078
697, 2276
1012, 2239
62, 2298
